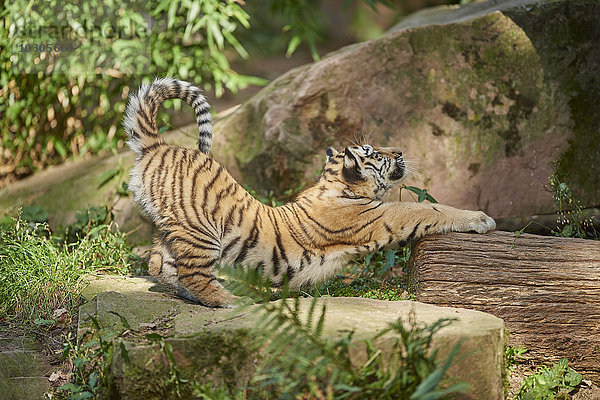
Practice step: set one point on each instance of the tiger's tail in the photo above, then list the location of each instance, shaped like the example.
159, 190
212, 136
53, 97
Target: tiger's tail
140, 115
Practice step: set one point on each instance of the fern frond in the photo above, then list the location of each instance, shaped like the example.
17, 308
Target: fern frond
297, 362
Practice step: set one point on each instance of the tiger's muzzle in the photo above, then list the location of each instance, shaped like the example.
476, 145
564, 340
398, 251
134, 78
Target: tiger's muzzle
399, 168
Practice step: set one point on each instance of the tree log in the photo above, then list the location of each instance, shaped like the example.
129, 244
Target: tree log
547, 289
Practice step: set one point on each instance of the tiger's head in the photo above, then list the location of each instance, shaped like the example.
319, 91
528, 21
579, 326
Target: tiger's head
366, 170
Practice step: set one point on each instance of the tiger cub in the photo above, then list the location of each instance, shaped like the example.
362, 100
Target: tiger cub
204, 218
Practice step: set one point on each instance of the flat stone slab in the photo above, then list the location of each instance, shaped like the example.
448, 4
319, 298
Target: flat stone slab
23, 367
215, 343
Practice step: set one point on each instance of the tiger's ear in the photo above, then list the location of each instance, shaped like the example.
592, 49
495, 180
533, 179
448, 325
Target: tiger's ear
331, 152
351, 170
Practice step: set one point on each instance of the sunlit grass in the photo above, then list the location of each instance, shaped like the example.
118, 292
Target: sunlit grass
39, 275
379, 276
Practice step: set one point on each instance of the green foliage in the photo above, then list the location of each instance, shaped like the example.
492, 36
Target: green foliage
202, 32
298, 362
556, 382
208, 391
123, 189
34, 214
369, 287
572, 219
85, 221
269, 198
58, 104
379, 263
173, 382
513, 355
373, 276
91, 357
67, 100
303, 23
421, 193
36, 217
38, 274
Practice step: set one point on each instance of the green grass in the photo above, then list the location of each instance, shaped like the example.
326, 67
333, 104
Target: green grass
368, 287
573, 220
379, 276
38, 274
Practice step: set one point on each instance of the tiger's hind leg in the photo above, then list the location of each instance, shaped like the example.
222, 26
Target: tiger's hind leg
163, 266
197, 276
162, 263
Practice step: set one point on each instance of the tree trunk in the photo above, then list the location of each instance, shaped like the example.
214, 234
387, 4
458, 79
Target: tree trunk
546, 289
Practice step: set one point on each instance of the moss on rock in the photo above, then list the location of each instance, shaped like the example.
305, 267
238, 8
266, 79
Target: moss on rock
221, 359
568, 44
465, 77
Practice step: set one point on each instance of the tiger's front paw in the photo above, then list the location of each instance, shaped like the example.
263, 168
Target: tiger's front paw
477, 221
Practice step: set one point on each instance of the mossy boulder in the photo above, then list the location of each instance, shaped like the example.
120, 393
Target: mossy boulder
215, 346
484, 100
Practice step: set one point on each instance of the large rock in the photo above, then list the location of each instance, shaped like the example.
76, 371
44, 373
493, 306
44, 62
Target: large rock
213, 345
485, 101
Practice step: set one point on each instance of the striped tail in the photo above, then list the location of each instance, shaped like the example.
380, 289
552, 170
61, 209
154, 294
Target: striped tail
140, 115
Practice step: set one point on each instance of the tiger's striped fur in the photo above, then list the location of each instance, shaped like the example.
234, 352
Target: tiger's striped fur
204, 218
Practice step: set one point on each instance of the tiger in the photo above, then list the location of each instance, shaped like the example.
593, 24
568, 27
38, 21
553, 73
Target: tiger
204, 219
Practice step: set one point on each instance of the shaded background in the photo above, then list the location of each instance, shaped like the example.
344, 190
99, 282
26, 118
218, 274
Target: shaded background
64, 105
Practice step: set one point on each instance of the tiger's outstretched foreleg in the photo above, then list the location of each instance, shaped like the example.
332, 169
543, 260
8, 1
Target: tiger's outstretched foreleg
406, 221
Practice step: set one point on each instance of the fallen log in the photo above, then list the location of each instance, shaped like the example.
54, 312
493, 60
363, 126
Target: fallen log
547, 289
